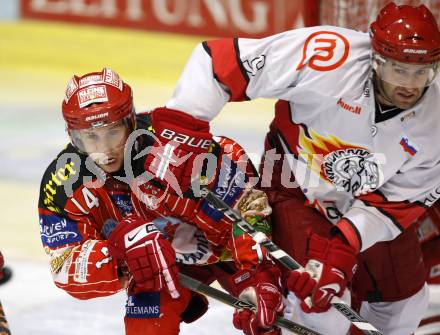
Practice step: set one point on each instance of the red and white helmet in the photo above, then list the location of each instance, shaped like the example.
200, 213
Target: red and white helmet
406, 34
95, 100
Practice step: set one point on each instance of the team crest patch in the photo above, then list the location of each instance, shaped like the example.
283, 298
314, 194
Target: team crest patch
352, 170
143, 305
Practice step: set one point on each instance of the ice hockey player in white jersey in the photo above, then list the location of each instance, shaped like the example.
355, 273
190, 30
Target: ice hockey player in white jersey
357, 127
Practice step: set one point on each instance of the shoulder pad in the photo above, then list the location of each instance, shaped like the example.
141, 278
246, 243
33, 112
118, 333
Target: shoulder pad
62, 177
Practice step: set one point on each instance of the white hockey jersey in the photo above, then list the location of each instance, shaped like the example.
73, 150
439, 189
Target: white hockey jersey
372, 175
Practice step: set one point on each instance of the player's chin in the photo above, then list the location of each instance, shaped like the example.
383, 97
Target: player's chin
112, 165
405, 102
405, 99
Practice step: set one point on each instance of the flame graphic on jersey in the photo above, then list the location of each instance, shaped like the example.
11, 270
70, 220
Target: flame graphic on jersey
313, 147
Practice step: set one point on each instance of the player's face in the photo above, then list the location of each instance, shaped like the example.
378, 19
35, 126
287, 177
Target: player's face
402, 84
105, 145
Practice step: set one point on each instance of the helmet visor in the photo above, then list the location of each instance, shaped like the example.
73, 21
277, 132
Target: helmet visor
98, 141
407, 75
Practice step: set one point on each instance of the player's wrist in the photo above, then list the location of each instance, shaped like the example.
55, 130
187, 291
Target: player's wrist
334, 252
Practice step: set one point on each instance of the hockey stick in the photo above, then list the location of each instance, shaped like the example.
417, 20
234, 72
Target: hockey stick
4, 327
285, 259
197, 286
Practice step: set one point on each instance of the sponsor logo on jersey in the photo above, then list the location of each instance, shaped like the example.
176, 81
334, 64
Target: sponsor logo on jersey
196, 251
228, 186
58, 259
324, 51
58, 178
123, 202
56, 231
82, 262
408, 116
188, 241
143, 305
408, 146
350, 108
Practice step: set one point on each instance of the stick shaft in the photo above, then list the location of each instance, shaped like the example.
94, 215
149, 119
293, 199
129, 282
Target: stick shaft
284, 258
197, 286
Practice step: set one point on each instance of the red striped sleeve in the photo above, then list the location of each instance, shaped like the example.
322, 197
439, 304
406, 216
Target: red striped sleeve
227, 66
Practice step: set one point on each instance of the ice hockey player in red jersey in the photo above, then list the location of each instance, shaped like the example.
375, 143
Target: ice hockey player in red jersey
357, 127
108, 226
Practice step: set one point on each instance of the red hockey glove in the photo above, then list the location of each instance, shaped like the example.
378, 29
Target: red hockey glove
180, 139
148, 255
195, 211
261, 287
330, 267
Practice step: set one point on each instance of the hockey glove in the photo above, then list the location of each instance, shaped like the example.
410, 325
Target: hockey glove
330, 267
192, 210
150, 258
261, 287
180, 138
